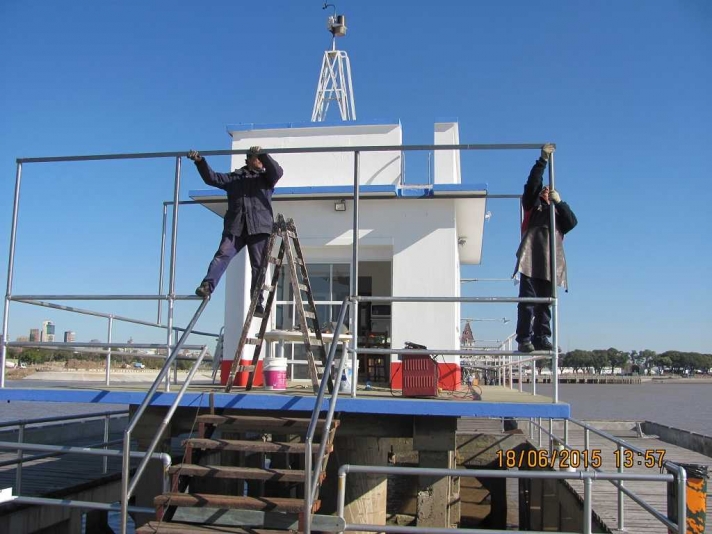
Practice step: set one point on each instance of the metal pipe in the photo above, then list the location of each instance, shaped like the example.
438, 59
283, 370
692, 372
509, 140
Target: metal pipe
107, 381
463, 352
566, 432
99, 345
479, 300
18, 471
88, 505
586, 444
103, 297
66, 449
107, 315
551, 435
61, 418
35, 457
554, 306
534, 375
540, 429
681, 500
105, 461
164, 424
587, 506
621, 500
141, 409
162, 260
521, 376
10, 273
341, 495
172, 264
354, 272
304, 150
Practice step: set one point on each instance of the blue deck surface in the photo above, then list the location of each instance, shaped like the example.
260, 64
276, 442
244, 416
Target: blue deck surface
298, 403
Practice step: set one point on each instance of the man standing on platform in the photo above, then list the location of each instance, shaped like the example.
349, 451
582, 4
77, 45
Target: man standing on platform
249, 217
533, 256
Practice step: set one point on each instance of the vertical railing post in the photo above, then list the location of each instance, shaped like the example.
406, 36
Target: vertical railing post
681, 500
354, 278
172, 267
10, 272
162, 262
534, 375
18, 471
105, 459
521, 376
586, 443
566, 432
621, 495
587, 506
110, 328
539, 427
551, 435
554, 305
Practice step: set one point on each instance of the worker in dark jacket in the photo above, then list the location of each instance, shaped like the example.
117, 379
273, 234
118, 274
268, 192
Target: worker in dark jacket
533, 265
249, 218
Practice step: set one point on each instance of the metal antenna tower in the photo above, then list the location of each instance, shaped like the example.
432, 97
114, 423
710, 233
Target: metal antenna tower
335, 77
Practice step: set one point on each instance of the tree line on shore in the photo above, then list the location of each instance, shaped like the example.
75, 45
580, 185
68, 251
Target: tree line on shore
640, 362
40, 356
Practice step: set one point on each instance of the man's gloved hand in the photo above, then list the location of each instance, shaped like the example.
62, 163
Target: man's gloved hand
554, 196
195, 156
546, 151
254, 151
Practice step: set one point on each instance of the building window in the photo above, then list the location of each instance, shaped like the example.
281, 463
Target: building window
330, 283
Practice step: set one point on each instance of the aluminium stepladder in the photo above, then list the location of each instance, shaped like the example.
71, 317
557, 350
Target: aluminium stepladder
290, 256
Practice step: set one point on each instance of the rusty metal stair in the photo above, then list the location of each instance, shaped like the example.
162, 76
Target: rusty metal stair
275, 491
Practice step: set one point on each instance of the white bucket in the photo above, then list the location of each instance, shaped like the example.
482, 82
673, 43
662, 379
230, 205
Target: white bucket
275, 373
347, 376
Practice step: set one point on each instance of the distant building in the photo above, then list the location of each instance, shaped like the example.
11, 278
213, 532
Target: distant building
47, 333
35, 335
22, 339
69, 336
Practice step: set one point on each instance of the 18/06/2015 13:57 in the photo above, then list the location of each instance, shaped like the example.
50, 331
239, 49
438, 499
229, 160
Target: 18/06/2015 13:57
576, 459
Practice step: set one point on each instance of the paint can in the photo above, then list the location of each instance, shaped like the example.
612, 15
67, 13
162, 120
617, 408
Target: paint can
275, 373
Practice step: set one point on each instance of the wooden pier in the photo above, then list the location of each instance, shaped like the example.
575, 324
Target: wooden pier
605, 494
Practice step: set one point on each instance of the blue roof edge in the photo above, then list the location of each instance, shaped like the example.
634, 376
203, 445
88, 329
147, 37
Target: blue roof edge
426, 191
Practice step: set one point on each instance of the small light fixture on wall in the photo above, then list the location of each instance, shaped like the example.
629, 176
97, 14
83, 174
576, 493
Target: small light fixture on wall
340, 205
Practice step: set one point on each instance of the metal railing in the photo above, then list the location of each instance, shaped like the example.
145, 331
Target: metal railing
680, 476
55, 450
587, 477
128, 485
22, 425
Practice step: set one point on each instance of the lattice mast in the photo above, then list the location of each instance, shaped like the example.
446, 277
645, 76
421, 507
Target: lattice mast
335, 77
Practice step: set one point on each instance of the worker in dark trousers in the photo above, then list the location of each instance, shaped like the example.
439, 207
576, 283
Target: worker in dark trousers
533, 256
249, 217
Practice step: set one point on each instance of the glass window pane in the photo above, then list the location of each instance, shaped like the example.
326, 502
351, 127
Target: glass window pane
341, 281
319, 274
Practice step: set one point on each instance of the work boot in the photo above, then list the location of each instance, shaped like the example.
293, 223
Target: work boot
204, 290
259, 310
525, 346
543, 344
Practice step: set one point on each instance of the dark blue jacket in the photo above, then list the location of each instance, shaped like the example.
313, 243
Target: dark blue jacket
249, 195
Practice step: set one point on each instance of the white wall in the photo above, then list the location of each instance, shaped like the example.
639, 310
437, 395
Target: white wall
420, 238
335, 168
447, 162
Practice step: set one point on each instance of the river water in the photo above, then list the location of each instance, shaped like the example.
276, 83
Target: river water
681, 405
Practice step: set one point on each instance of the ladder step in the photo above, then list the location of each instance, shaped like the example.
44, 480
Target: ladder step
303, 287
275, 261
177, 527
309, 315
276, 425
267, 287
250, 446
245, 368
205, 500
253, 341
247, 473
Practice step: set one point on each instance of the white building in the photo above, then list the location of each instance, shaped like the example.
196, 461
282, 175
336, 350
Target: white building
47, 332
412, 240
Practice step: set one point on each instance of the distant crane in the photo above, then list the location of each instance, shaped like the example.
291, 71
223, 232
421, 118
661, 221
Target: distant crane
335, 77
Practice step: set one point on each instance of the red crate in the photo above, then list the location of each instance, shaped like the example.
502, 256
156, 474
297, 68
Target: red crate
420, 375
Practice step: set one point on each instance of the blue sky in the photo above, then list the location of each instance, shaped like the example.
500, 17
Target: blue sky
623, 88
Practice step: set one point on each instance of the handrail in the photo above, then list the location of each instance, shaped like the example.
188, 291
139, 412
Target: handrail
305, 150
126, 490
311, 480
60, 418
587, 476
680, 472
113, 316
